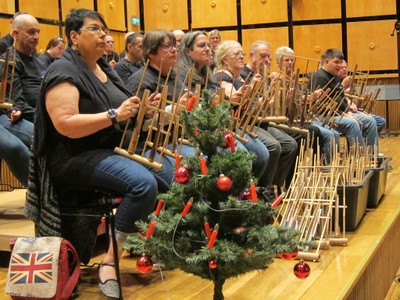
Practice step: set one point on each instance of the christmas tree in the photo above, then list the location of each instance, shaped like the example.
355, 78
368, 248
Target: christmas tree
211, 223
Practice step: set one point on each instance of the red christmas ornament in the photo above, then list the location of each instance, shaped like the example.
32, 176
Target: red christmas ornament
182, 175
224, 183
213, 264
144, 264
289, 255
246, 195
302, 269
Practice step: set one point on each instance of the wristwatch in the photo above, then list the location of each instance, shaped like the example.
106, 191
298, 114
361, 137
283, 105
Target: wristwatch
112, 115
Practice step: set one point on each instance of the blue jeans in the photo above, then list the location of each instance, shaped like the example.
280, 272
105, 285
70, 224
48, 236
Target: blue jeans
350, 128
125, 177
368, 128
22, 129
14, 146
330, 140
165, 176
380, 122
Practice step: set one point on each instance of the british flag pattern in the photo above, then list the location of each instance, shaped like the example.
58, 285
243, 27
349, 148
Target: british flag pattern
28, 268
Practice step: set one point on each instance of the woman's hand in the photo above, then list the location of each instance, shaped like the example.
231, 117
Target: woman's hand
182, 102
128, 109
237, 96
154, 102
15, 116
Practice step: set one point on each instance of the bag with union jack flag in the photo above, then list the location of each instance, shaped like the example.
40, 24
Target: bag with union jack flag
42, 268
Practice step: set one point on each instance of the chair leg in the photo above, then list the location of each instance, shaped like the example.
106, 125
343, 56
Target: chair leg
111, 221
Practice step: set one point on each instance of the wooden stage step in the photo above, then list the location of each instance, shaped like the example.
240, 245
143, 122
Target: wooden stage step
364, 269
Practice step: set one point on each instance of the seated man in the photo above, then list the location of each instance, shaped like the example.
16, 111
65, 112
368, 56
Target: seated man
358, 128
346, 82
109, 54
133, 59
29, 69
282, 148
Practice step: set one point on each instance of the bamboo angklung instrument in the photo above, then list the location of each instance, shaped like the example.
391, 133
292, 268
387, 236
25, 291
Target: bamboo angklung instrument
3, 81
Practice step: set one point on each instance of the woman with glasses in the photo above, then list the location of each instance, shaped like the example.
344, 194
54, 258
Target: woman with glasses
54, 49
195, 50
160, 53
77, 126
230, 62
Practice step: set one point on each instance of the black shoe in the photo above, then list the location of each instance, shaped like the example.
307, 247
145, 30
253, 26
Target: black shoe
110, 287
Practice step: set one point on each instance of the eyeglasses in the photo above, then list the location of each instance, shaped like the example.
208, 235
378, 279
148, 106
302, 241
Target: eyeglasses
168, 47
96, 29
239, 54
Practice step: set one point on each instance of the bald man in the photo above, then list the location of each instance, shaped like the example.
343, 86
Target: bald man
179, 34
29, 69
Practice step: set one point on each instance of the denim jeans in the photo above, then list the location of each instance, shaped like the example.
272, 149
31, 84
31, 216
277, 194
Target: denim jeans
125, 177
380, 122
22, 129
14, 146
165, 176
330, 140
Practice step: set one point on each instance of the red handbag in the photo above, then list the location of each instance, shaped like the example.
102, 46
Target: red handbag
42, 268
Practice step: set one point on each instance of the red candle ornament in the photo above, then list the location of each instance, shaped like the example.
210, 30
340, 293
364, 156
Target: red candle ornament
187, 207
177, 161
253, 192
159, 207
230, 141
190, 104
203, 165
207, 228
150, 230
213, 237
278, 200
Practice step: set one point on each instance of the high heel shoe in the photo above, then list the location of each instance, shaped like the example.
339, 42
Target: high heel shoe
110, 287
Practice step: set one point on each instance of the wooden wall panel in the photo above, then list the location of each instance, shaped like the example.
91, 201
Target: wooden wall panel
4, 26
263, 11
67, 5
316, 9
113, 12
165, 14
46, 9
370, 45
370, 8
213, 13
132, 10
276, 37
312, 40
7, 6
47, 32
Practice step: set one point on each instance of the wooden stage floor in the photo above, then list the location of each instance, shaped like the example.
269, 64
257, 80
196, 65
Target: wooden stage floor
364, 269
